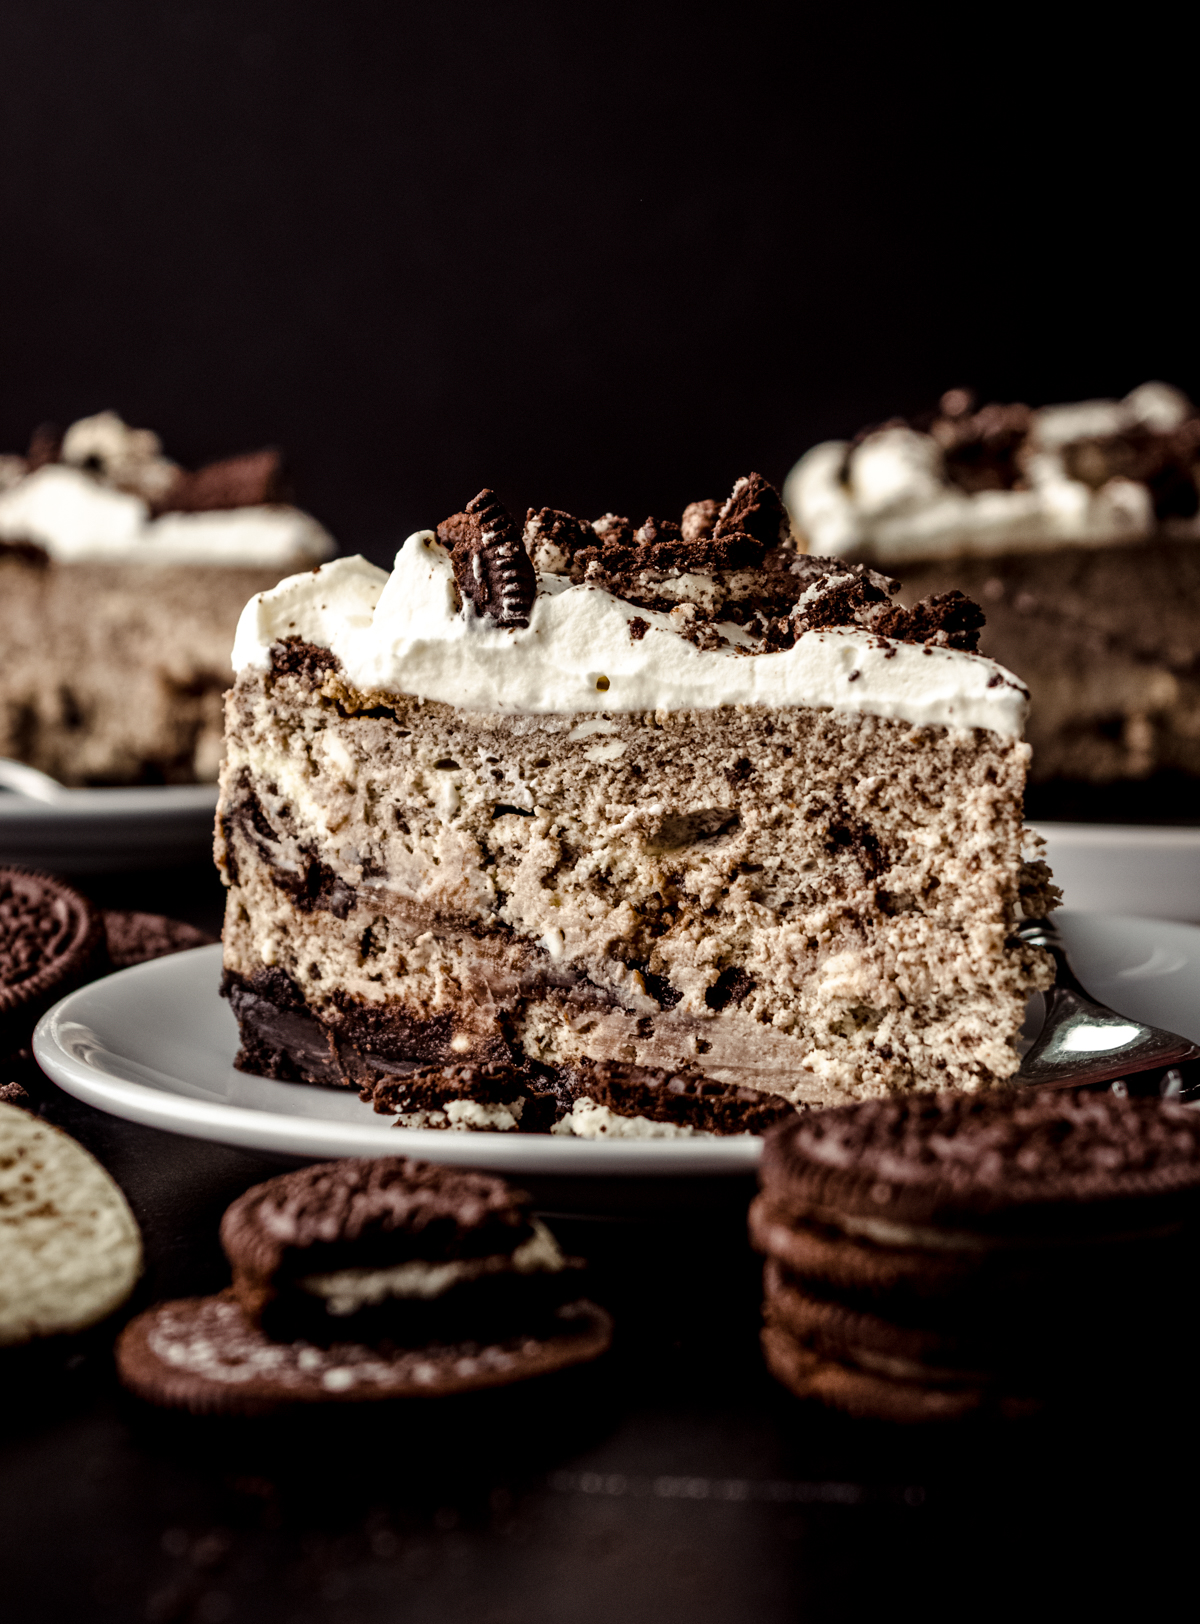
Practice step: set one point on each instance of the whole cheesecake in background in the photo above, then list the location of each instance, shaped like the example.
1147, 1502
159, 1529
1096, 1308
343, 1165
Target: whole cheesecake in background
121, 580
1076, 527
668, 797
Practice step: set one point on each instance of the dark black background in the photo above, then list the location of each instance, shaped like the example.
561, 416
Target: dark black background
595, 255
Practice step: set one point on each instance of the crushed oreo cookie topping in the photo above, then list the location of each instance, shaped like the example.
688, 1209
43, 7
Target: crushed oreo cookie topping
733, 563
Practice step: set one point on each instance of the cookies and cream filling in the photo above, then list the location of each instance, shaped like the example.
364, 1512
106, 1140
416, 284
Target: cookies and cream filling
466, 1116
586, 651
96, 505
347, 1291
894, 495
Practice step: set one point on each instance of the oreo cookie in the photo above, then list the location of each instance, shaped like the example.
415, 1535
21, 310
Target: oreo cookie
373, 1278
491, 565
754, 508
944, 1255
50, 942
135, 938
206, 1355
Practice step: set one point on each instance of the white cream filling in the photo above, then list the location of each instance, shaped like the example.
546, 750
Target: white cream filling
888, 498
347, 1290
77, 519
466, 1115
588, 1120
408, 632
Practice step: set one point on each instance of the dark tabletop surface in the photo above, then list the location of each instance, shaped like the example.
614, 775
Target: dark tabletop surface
673, 1480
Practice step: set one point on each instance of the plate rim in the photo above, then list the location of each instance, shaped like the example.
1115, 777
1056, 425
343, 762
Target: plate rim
250, 1127
1169, 835
111, 801
255, 1128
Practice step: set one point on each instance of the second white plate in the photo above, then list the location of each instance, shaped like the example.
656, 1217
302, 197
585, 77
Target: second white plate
155, 1044
97, 831
1126, 868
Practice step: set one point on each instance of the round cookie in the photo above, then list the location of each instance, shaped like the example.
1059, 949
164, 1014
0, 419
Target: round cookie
867, 1396
918, 1353
205, 1355
386, 1250
50, 939
134, 938
956, 1172
352, 1212
838, 1263
70, 1250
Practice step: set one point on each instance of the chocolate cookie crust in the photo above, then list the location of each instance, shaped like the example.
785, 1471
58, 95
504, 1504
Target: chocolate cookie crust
203, 1354
686, 1097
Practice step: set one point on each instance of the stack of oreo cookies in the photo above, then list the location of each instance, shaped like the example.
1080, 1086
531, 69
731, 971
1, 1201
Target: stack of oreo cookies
947, 1255
368, 1279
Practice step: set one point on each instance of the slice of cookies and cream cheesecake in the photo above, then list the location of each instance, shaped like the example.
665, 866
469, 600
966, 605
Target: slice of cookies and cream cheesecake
122, 576
1077, 527
667, 797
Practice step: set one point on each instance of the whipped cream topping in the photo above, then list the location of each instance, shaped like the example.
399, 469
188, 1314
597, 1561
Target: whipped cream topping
101, 513
410, 632
889, 499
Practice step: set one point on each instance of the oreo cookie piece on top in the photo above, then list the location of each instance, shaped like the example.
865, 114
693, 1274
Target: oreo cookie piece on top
614, 1100
394, 1253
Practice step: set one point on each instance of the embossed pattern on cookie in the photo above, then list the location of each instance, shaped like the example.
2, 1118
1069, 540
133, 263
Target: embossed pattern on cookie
491, 565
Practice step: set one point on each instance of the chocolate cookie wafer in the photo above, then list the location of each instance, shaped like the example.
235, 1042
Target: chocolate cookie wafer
982, 1247
50, 941
392, 1250
489, 1098
607, 1099
206, 1355
371, 1279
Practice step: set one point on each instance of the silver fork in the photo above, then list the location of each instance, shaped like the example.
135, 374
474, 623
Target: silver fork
1083, 1043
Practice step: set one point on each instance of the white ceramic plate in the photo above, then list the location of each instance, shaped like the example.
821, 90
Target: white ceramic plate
155, 1044
96, 831
1126, 868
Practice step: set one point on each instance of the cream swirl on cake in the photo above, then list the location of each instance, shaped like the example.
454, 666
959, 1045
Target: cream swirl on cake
412, 632
106, 494
1003, 479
